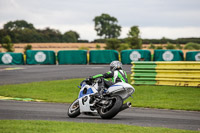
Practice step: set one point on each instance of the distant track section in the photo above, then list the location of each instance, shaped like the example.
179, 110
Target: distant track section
34, 73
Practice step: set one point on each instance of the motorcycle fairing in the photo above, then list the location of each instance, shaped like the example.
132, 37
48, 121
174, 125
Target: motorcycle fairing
122, 89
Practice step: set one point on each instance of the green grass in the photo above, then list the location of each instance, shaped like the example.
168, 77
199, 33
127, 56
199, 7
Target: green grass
66, 91
50, 91
167, 97
21, 126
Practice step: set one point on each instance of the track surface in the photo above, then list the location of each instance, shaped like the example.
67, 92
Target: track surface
132, 116
33, 73
51, 111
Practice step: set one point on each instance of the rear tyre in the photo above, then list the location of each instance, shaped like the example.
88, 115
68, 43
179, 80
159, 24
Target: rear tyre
74, 109
112, 110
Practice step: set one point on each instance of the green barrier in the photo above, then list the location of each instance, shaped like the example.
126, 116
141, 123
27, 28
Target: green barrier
72, 57
168, 55
103, 56
193, 56
127, 56
40, 57
10, 58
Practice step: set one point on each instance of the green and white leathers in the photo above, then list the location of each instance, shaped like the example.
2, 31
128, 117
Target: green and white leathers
117, 76
116, 73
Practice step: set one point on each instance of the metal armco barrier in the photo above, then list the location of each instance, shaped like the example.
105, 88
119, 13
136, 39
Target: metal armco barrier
177, 73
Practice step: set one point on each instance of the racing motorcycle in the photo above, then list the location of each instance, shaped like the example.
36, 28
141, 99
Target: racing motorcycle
94, 99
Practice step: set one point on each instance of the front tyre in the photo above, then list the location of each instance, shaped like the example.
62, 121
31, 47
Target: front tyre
111, 110
74, 109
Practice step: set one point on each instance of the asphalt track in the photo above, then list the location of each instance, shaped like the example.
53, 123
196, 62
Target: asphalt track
33, 73
189, 120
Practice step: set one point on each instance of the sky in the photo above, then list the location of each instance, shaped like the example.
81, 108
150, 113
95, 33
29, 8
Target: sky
155, 18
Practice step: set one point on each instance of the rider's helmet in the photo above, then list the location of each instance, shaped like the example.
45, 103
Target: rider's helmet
115, 65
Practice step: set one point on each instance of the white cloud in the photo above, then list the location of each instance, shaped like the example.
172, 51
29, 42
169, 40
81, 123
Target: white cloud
169, 32
155, 18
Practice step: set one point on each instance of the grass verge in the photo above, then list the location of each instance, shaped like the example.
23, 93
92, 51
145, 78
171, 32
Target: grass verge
22, 126
66, 91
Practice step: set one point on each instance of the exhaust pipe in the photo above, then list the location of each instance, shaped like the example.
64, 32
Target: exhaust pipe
125, 106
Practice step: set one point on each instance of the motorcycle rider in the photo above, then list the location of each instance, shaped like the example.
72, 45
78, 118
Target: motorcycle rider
116, 73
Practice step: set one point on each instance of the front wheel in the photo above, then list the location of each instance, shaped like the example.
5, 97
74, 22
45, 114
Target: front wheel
74, 109
111, 110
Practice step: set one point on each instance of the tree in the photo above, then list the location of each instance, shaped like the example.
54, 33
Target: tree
106, 26
70, 36
163, 40
50, 35
3, 33
7, 44
134, 39
112, 43
18, 25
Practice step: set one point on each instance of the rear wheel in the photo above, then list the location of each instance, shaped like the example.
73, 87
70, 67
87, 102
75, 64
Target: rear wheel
74, 109
112, 109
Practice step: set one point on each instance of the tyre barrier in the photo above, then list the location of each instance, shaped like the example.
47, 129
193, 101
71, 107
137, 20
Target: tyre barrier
127, 56
176, 73
95, 56
10, 58
103, 56
34, 57
168, 55
193, 56
72, 57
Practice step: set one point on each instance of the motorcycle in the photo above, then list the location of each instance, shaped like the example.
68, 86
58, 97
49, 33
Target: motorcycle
94, 99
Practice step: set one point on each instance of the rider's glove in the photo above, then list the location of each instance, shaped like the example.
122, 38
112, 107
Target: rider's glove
90, 78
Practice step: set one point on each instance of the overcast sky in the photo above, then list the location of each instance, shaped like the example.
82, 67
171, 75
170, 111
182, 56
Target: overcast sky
155, 18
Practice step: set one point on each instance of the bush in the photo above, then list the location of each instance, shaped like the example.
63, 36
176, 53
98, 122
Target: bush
112, 44
7, 44
159, 47
83, 48
152, 46
27, 47
98, 46
170, 46
192, 46
178, 46
123, 46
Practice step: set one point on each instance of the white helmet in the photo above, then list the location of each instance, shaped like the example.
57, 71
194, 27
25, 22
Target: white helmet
115, 65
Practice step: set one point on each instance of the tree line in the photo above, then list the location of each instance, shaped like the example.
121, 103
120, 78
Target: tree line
21, 31
106, 26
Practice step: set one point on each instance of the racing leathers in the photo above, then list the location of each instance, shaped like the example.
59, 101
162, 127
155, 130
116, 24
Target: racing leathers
116, 75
